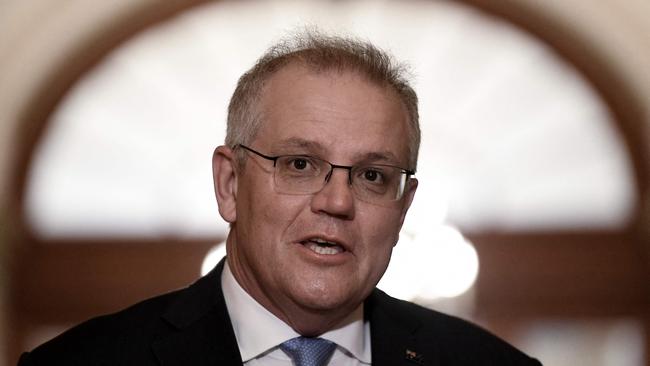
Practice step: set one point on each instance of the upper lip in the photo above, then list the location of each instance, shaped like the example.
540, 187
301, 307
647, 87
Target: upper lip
328, 238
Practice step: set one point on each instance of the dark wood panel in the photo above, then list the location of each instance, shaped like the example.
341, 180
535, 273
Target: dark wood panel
523, 275
68, 282
571, 274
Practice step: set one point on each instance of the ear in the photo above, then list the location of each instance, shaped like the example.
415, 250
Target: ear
409, 193
224, 173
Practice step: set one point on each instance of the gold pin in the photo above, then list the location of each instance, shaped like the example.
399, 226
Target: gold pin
414, 357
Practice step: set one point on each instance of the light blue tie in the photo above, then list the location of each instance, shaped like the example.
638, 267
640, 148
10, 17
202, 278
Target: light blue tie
306, 351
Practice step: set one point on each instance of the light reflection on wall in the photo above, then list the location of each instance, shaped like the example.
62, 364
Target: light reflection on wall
213, 257
434, 263
615, 342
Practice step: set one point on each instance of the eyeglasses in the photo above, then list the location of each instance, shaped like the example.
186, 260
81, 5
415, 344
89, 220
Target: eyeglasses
304, 174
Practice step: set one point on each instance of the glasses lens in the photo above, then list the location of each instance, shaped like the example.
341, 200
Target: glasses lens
378, 183
299, 174
302, 174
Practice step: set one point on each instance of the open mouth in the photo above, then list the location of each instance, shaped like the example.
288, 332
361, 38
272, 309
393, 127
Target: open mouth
321, 246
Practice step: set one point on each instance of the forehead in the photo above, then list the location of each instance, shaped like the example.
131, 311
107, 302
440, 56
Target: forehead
340, 113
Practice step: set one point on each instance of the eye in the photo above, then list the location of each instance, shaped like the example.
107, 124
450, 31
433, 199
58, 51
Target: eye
371, 175
299, 163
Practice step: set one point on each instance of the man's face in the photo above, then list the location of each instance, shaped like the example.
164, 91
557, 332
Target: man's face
342, 118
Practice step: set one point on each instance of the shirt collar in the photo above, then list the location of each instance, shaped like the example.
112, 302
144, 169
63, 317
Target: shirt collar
258, 331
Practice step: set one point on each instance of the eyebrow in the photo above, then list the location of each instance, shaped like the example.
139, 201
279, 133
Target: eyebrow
317, 148
297, 142
386, 156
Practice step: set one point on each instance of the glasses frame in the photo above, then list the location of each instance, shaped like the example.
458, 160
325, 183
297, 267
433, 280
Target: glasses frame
349, 168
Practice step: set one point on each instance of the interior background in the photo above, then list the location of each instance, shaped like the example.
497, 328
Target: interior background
590, 277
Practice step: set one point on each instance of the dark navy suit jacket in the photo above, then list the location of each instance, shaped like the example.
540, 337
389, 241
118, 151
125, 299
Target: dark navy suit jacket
192, 327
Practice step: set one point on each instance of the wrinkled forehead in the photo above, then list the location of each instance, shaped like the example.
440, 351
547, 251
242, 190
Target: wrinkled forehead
333, 110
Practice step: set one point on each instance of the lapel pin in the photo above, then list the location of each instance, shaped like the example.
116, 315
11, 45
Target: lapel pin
414, 357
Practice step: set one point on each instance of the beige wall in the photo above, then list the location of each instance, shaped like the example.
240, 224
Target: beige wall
36, 36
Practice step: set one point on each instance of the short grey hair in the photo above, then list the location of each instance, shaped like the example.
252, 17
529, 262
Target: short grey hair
321, 53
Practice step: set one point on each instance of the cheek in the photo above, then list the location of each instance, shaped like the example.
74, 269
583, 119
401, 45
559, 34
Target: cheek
268, 214
281, 211
380, 234
382, 226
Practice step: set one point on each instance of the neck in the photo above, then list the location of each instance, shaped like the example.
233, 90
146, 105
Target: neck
312, 324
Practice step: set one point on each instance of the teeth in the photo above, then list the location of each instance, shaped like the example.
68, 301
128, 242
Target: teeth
323, 250
325, 247
321, 241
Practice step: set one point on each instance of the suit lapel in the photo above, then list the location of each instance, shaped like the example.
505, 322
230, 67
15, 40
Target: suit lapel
393, 334
201, 331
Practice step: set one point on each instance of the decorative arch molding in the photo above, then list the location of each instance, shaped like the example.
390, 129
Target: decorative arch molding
577, 47
569, 42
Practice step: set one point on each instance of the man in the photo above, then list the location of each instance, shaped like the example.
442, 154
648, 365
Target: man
315, 180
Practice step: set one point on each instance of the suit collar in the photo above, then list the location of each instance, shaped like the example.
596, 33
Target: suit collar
201, 332
393, 333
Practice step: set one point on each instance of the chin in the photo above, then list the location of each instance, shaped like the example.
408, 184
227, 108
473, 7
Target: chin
324, 299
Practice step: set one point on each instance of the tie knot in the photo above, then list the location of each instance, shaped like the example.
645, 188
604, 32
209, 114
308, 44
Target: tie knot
306, 351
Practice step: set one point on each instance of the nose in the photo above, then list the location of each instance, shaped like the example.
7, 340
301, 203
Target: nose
336, 197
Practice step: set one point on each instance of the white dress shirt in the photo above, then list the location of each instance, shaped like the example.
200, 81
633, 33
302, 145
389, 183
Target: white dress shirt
259, 332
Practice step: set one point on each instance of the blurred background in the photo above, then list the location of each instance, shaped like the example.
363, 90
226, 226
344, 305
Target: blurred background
532, 216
